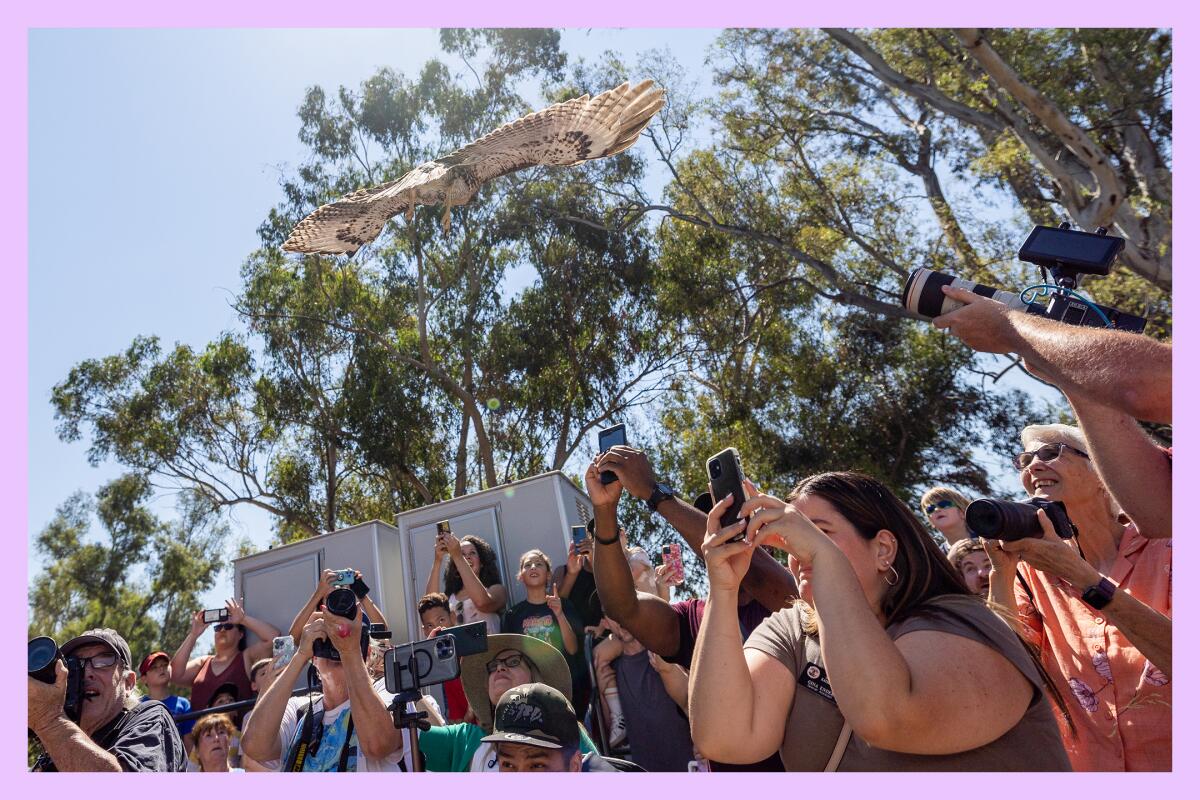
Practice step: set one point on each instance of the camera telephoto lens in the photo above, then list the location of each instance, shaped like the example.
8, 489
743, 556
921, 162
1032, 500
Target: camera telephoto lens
342, 601
1003, 519
43, 653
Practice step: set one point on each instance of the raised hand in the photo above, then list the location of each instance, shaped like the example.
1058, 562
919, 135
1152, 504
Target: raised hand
198, 623
667, 576
236, 612
602, 494
553, 600
453, 545
325, 585
313, 629
574, 560
1053, 555
727, 563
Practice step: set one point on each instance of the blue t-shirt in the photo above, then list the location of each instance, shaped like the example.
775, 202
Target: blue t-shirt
177, 705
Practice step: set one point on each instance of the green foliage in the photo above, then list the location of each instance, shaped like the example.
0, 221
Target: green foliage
138, 575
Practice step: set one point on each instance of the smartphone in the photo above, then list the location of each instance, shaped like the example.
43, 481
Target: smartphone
610, 438
725, 476
433, 660
672, 556
469, 639
443, 528
216, 614
578, 534
282, 650
343, 577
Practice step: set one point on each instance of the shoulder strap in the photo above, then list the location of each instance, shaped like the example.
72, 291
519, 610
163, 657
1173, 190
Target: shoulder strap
299, 751
345, 756
839, 750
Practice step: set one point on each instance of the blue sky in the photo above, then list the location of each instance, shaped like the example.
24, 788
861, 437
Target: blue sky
154, 155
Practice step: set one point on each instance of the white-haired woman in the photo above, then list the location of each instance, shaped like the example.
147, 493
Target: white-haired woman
1096, 606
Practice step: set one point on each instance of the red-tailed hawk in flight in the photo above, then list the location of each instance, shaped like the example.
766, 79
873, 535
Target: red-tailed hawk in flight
564, 134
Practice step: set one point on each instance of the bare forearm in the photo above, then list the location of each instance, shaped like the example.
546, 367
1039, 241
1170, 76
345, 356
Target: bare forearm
433, 584
260, 739
297, 627
1124, 371
614, 580
480, 595
567, 583
720, 693
179, 661
570, 641
688, 520
373, 612
851, 636
377, 735
72, 750
675, 681
1134, 470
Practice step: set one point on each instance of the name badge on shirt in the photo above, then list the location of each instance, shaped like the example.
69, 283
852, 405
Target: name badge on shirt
816, 679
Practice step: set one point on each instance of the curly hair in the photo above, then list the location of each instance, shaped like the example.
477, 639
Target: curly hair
489, 567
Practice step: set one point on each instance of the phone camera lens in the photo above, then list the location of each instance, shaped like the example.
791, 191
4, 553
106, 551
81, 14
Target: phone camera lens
714, 469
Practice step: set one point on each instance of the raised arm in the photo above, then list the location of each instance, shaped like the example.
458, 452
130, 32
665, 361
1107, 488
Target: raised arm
434, 583
377, 736
183, 670
488, 599
1118, 369
1136, 472
260, 739
320, 592
648, 618
767, 580
738, 700
263, 630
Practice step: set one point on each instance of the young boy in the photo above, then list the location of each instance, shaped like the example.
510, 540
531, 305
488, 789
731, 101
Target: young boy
434, 611
156, 671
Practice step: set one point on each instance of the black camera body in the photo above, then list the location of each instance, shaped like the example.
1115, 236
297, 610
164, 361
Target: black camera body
344, 603
1067, 254
1010, 521
44, 655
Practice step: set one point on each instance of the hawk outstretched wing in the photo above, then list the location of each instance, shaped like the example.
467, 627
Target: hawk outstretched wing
564, 134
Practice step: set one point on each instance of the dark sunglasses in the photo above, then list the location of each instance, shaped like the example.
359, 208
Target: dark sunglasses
1046, 453
224, 626
932, 507
512, 662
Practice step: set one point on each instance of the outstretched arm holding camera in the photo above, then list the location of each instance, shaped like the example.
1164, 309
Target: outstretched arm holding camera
322, 590
767, 581
1136, 472
1121, 370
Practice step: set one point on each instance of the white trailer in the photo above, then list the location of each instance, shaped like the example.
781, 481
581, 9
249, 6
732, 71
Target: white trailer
395, 561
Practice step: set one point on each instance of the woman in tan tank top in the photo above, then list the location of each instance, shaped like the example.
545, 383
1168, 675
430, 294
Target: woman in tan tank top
893, 666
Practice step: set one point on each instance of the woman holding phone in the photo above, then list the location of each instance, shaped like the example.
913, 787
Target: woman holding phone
472, 581
888, 663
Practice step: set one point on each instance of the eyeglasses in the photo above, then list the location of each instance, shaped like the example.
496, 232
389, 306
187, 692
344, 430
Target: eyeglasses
103, 661
1046, 453
224, 626
512, 662
932, 507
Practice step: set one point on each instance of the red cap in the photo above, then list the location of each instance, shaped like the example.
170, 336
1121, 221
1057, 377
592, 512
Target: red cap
148, 660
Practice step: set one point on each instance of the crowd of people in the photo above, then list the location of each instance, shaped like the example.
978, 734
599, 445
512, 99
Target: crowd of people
879, 646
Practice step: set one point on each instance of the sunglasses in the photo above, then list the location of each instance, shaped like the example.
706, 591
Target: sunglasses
1046, 453
512, 662
104, 661
224, 626
932, 507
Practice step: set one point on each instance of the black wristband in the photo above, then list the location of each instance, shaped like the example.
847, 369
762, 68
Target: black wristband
613, 540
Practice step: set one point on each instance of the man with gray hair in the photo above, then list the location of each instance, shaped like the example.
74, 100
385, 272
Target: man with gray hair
115, 732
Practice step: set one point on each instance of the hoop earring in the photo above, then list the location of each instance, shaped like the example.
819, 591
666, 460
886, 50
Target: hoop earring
895, 576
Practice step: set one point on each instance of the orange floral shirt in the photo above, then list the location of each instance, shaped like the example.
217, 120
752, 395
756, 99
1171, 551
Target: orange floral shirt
1119, 701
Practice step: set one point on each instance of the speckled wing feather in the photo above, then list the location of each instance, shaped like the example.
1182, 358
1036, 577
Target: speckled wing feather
564, 134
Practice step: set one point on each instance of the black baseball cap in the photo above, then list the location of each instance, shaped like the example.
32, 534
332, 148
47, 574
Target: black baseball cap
538, 715
105, 636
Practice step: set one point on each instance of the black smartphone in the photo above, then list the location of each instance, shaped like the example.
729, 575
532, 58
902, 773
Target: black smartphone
469, 639
216, 614
433, 661
578, 534
725, 476
359, 587
610, 438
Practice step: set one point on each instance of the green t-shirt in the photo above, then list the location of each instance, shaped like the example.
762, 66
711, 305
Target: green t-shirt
460, 748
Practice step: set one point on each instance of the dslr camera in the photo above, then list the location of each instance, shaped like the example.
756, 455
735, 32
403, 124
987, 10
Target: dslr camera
344, 603
1009, 521
44, 655
1067, 254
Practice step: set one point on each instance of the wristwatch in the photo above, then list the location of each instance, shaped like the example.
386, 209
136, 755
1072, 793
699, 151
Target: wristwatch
1099, 595
661, 492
